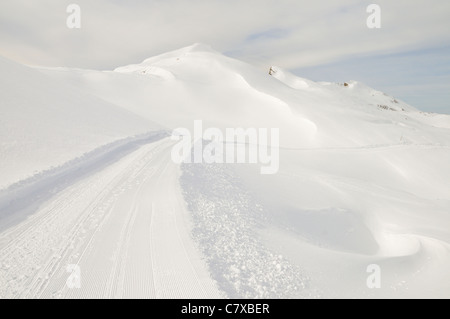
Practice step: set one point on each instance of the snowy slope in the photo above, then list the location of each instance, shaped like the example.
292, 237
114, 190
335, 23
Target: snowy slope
363, 179
45, 123
197, 82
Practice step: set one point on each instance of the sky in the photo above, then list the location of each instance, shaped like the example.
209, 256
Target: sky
323, 40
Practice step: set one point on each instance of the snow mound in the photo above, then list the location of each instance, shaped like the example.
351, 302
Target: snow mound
290, 79
148, 70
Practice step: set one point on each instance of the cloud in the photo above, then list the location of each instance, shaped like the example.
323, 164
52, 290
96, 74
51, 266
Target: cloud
287, 32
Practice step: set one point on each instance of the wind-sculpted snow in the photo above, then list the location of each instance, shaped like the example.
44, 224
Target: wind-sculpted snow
225, 220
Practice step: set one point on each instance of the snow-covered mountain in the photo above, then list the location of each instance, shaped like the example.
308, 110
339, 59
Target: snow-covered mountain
363, 180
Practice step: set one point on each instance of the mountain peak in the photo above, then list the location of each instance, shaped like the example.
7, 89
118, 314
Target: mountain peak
167, 58
199, 47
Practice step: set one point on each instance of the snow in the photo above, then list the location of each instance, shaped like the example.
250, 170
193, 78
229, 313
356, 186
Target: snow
87, 179
45, 123
118, 227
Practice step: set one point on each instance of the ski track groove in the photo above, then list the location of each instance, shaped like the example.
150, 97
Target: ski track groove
99, 224
84, 218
